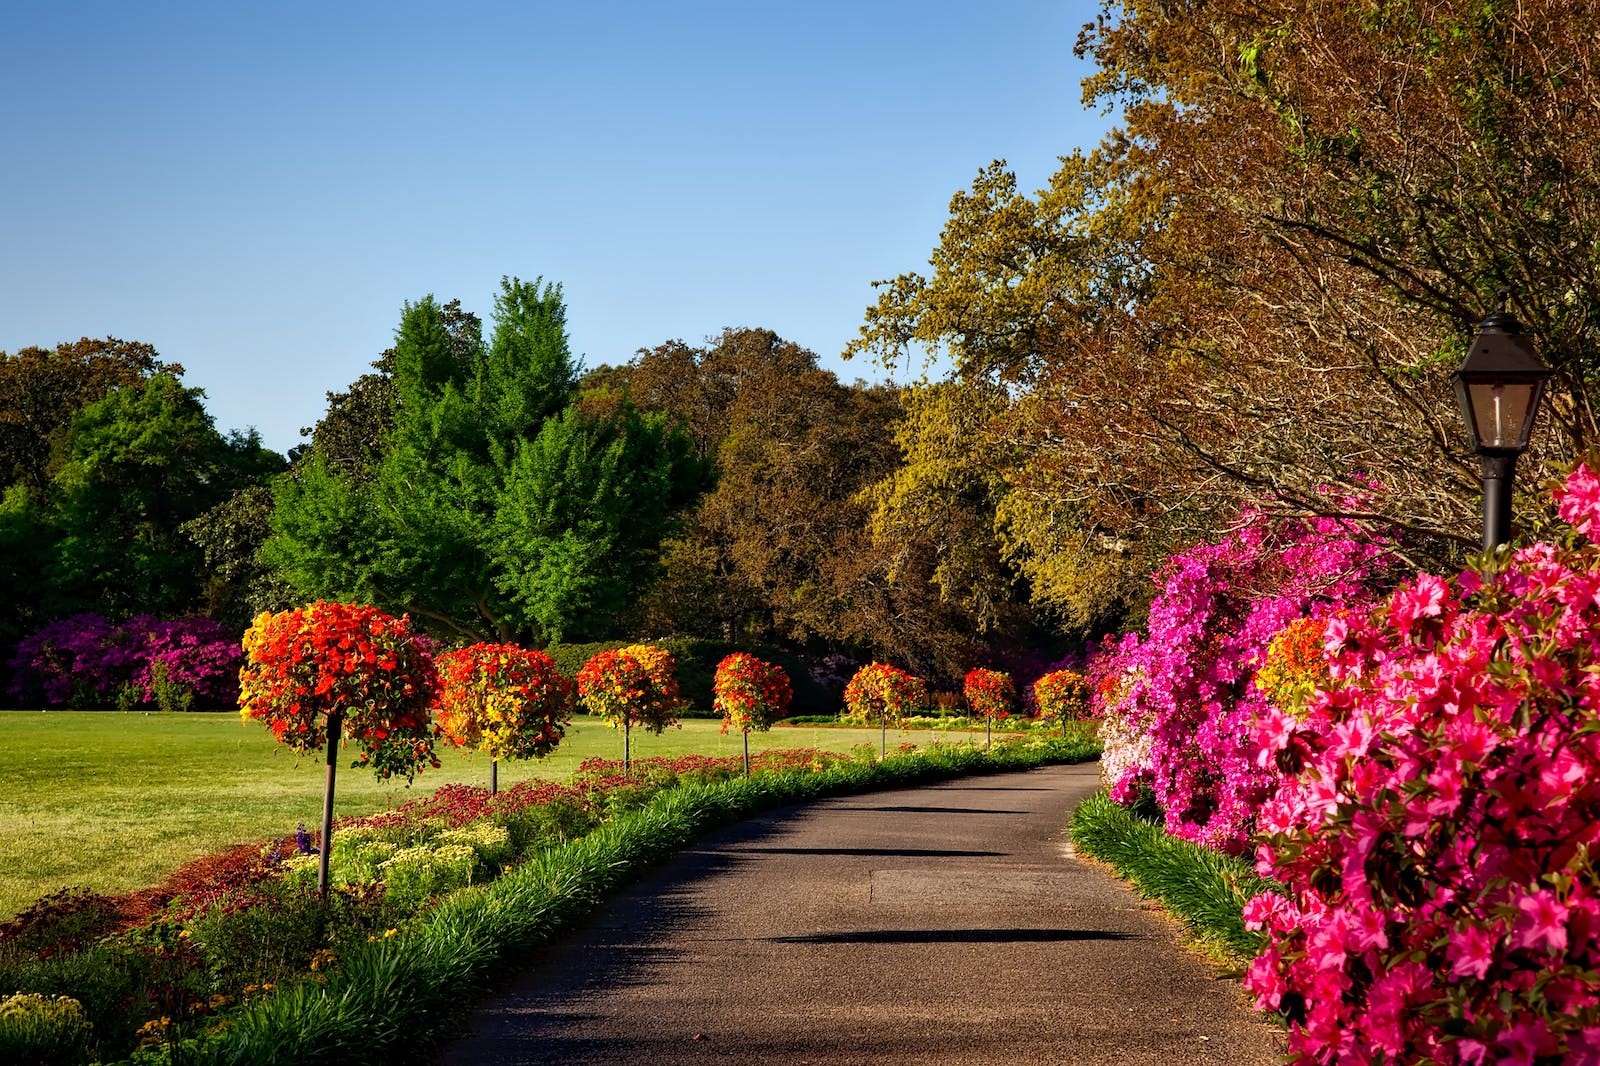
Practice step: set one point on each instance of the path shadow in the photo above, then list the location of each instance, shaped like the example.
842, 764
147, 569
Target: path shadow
993, 788
912, 853
936, 810
953, 936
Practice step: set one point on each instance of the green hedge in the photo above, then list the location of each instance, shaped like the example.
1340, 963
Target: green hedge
697, 660
396, 992
1205, 888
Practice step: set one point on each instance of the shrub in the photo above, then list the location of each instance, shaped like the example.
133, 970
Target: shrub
85, 661
1437, 842
1062, 696
503, 700
60, 923
43, 1030
884, 694
751, 693
1179, 703
989, 693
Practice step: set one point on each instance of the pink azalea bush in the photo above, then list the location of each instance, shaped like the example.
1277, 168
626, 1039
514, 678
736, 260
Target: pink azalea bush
1178, 705
1438, 841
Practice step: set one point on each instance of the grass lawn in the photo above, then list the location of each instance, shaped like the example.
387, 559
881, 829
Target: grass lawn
116, 801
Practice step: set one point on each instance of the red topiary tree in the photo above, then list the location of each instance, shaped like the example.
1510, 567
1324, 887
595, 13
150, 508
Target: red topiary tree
750, 693
883, 693
506, 701
991, 695
631, 686
1062, 696
324, 670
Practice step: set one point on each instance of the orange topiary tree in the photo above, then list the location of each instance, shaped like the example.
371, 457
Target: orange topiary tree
1062, 696
991, 694
635, 685
883, 693
750, 693
505, 701
325, 670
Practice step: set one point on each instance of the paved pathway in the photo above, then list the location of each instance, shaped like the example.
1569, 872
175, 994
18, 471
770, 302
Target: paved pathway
945, 924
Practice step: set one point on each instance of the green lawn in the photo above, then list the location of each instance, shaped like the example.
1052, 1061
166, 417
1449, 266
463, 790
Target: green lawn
116, 801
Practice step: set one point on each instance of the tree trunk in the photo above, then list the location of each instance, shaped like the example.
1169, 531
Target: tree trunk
335, 727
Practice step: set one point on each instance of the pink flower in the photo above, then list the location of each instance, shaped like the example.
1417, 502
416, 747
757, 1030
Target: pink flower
1541, 920
1471, 952
1578, 501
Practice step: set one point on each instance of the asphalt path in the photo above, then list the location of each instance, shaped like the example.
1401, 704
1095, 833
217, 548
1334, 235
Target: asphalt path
947, 924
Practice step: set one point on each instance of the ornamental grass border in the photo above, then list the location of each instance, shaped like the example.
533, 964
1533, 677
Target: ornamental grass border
1204, 888
409, 990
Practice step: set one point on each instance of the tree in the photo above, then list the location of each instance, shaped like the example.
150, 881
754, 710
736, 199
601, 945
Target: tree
137, 465
42, 390
585, 507
489, 503
507, 701
774, 549
1260, 285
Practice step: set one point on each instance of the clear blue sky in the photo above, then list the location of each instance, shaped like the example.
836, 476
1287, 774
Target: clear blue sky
256, 189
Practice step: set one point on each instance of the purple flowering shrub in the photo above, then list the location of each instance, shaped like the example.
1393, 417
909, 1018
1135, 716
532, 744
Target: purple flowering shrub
85, 661
1178, 705
1439, 842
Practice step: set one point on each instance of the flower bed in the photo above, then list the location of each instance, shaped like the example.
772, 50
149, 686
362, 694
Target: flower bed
156, 966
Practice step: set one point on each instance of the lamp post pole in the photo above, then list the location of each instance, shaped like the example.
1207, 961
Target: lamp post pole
1498, 473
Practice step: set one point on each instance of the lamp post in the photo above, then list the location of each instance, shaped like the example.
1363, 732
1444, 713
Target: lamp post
1499, 384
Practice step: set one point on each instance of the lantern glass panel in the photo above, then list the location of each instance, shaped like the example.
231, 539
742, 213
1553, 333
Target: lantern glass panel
1501, 411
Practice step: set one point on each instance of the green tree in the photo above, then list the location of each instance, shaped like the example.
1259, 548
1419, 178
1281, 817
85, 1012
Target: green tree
42, 390
483, 438
585, 508
138, 464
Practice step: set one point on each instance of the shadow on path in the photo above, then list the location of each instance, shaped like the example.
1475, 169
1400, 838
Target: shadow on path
953, 936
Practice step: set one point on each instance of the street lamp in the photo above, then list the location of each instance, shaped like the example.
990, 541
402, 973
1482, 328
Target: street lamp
1499, 385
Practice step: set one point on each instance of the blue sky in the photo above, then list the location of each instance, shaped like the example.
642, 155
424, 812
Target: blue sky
256, 189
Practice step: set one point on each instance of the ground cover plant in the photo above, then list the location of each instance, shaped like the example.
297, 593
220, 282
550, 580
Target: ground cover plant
247, 952
145, 794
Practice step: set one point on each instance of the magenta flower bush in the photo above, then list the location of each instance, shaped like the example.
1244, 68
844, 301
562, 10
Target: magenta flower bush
85, 661
1178, 705
1438, 844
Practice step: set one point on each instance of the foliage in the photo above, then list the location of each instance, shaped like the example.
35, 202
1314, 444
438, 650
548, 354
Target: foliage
779, 551
393, 991
1257, 285
43, 1030
85, 661
503, 700
42, 390
751, 693
495, 502
1204, 888
883, 694
1062, 696
1178, 704
1437, 841
137, 465
633, 685
303, 665
990, 693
